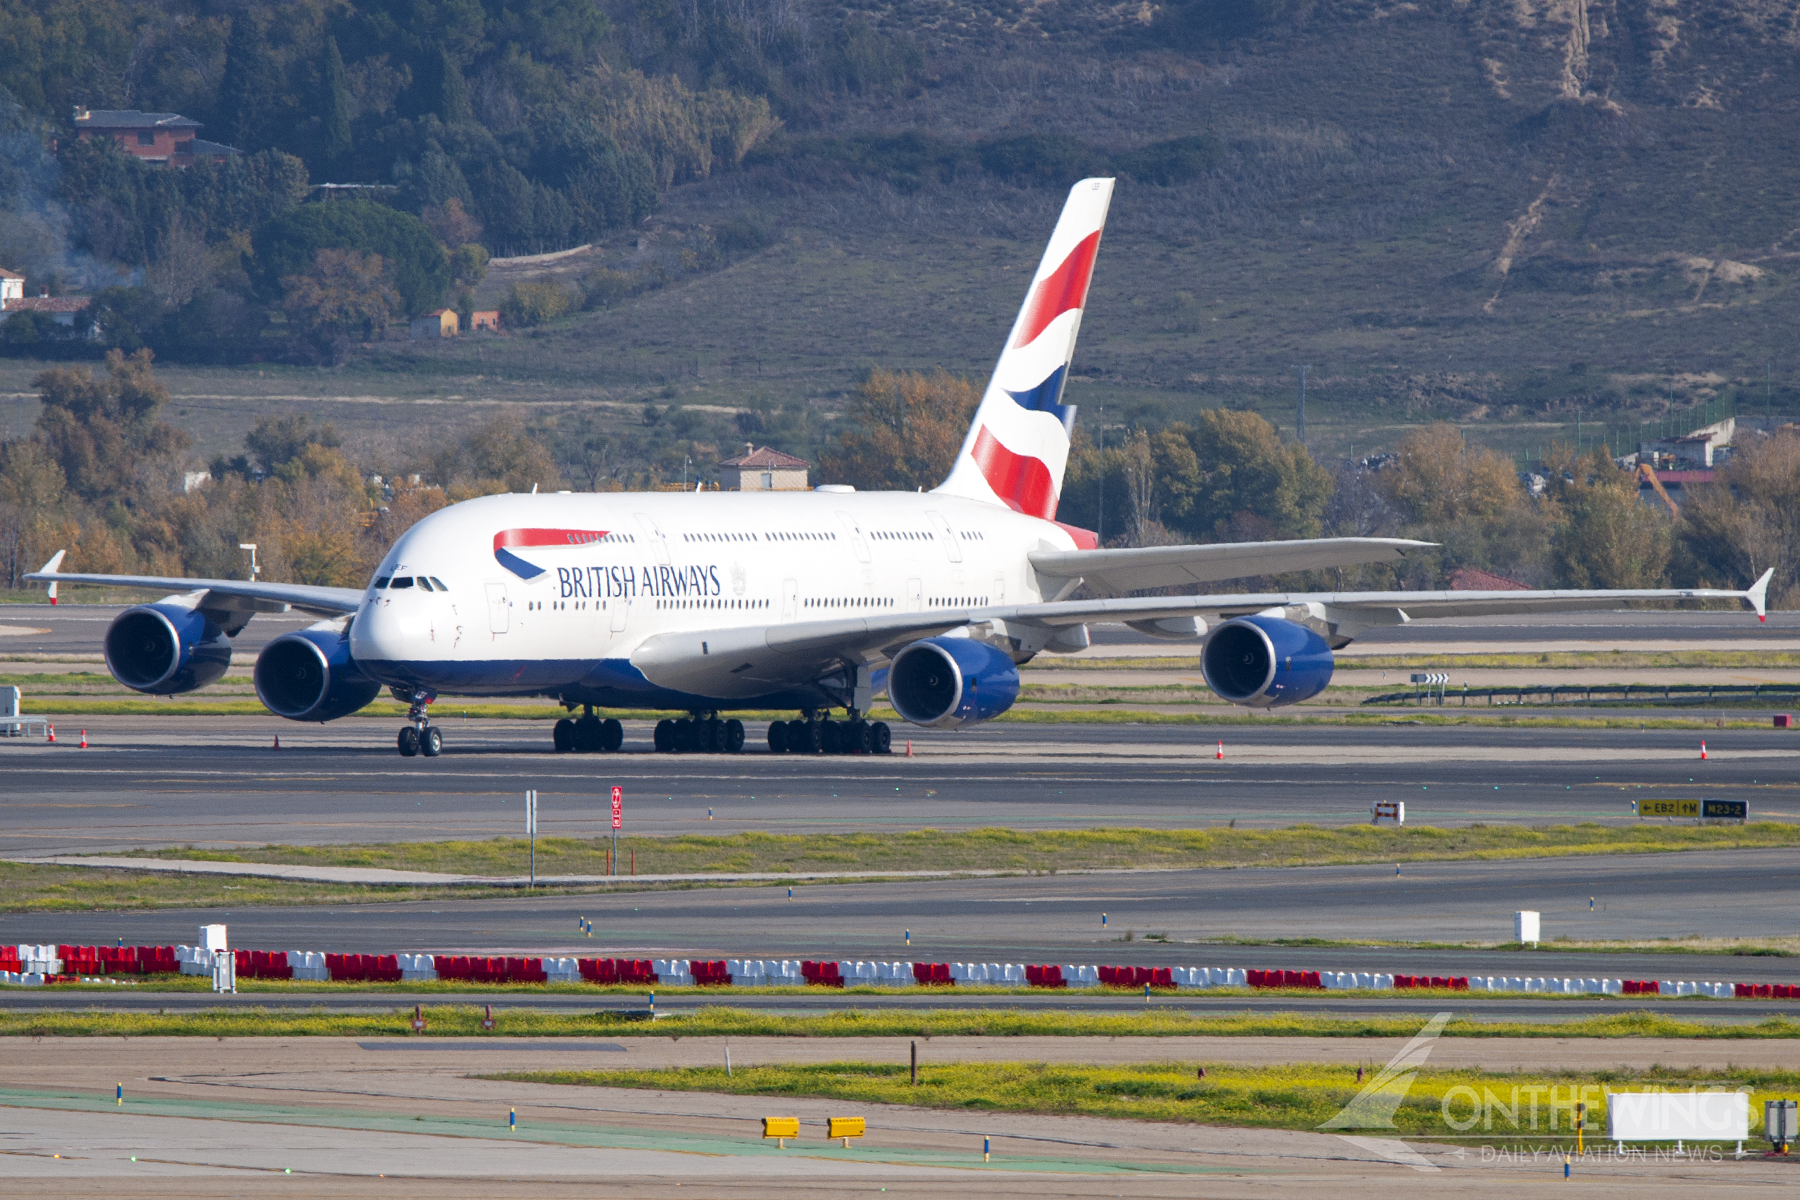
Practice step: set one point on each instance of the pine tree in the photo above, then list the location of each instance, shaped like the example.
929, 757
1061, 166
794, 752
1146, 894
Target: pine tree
334, 108
453, 96
247, 93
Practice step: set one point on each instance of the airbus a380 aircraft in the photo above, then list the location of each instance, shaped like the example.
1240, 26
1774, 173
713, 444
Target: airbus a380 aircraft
810, 601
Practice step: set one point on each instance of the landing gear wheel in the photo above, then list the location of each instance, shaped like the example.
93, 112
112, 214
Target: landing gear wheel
734, 737
409, 742
828, 736
664, 737
718, 741
810, 739
778, 737
587, 734
612, 735
884, 737
562, 735
684, 736
431, 741
859, 738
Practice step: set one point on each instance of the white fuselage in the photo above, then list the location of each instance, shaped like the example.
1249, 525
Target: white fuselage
551, 593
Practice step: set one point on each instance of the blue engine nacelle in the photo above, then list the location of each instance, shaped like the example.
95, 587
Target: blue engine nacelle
165, 649
946, 683
310, 676
1265, 662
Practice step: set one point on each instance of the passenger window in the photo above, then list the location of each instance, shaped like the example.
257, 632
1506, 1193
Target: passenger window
401, 581
381, 582
440, 584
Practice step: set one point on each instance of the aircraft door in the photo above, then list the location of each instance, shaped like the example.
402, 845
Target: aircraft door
621, 611
655, 538
856, 535
499, 608
915, 595
947, 536
790, 598
998, 595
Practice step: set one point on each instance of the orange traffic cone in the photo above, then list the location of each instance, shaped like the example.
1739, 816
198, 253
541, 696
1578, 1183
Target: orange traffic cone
52, 730
909, 747
1702, 751
278, 741
1221, 753
84, 742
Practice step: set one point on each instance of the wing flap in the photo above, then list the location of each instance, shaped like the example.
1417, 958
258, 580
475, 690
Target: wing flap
1175, 566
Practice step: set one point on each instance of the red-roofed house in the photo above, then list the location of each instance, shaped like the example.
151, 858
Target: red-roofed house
763, 470
152, 136
1473, 579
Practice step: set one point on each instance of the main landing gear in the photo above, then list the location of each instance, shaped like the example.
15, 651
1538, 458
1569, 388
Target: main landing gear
588, 734
811, 735
702, 733
421, 737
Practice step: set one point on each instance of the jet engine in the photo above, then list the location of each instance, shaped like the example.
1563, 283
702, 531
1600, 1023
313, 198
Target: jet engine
310, 676
165, 648
1265, 662
946, 683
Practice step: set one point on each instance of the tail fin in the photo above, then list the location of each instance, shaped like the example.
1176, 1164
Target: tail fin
1018, 444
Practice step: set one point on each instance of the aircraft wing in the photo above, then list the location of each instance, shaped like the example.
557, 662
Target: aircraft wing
1174, 566
232, 595
748, 661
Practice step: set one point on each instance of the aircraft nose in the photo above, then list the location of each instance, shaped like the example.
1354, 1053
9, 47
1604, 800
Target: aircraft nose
381, 633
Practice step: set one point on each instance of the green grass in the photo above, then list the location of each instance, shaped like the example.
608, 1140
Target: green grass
1020, 850
1296, 1096
465, 1021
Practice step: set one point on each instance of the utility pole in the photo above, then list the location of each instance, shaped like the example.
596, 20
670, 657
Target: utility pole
1100, 520
1300, 419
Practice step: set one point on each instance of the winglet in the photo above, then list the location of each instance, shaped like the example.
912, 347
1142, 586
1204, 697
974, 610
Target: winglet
50, 568
1758, 595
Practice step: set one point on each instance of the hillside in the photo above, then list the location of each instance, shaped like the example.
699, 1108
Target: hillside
1505, 215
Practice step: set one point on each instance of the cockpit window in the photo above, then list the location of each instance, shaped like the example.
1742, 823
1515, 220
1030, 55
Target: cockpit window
423, 582
400, 581
440, 584
381, 581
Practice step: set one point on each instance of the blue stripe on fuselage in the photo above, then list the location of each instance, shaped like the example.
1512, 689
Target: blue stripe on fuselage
608, 683
515, 564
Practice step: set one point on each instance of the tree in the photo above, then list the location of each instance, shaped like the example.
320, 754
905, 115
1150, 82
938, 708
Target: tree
1234, 480
536, 303
584, 451
277, 441
1604, 538
251, 82
1437, 477
1746, 521
344, 296
31, 491
288, 243
334, 108
905, 428
106, 434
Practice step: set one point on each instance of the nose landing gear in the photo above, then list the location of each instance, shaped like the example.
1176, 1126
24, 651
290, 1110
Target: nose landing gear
421, 737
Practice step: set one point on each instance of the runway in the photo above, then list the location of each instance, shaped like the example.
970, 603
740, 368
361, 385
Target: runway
172, 781
1057, 918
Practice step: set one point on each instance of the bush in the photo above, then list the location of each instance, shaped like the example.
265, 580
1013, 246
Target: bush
1177, 160
536, 303
743, 235
604, 288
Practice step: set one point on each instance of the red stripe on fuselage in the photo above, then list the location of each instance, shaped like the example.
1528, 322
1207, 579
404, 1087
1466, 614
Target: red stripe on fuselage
1022, 483
512, 539
1062, 289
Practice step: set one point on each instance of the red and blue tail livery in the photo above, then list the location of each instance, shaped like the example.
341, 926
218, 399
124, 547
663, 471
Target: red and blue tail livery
1018, 445
508, 540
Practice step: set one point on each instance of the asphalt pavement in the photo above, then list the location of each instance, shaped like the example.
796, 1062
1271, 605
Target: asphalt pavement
1151, 918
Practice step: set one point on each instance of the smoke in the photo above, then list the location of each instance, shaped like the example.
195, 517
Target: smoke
34, 224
